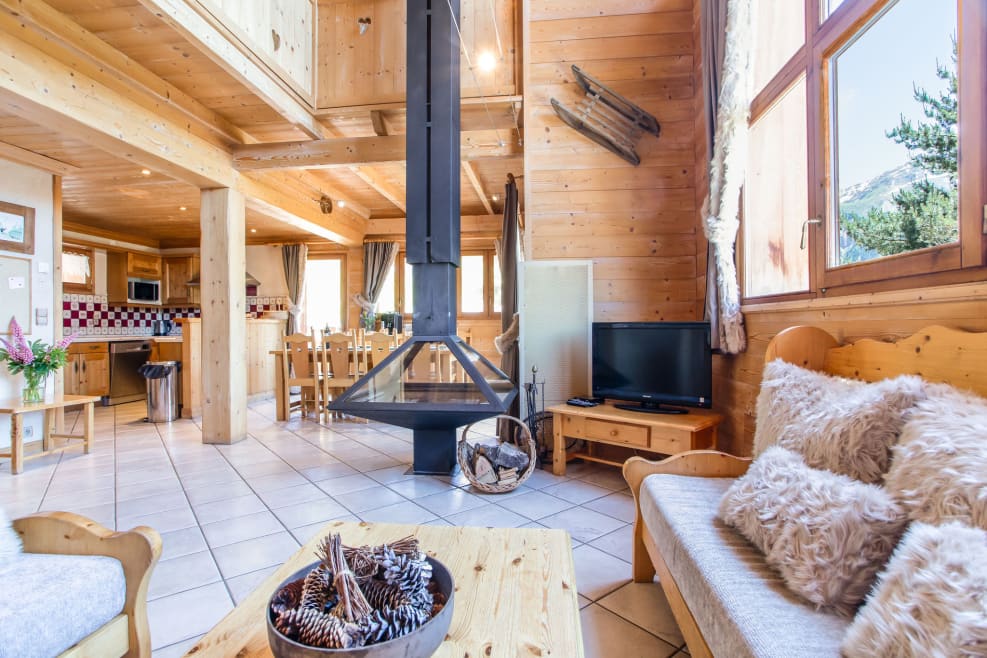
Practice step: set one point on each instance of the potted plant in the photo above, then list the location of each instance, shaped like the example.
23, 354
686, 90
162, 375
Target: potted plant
35, 359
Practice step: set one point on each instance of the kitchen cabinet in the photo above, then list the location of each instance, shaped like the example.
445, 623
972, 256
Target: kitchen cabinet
177, 272
87, 371
144, 266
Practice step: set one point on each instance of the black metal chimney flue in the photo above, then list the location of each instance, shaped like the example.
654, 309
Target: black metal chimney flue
433, 399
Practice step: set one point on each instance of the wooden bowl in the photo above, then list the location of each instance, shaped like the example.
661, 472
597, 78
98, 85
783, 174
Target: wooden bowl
420, 643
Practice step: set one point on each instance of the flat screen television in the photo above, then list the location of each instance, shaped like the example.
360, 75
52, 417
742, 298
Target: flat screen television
653, 363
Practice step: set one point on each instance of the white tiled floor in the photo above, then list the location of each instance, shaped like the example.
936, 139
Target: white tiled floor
229, 515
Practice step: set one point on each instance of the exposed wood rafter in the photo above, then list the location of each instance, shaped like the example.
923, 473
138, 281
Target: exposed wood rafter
377, 119
32, 159
477, 187
347, 152
388, 190
204, 35
94, 57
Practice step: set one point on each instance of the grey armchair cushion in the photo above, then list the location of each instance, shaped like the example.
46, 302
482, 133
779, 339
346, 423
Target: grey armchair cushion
48, 603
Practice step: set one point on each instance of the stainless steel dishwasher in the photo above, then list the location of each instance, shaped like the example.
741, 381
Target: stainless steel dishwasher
126, 384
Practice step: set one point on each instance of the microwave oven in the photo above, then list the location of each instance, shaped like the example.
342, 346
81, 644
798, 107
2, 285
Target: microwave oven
143, 291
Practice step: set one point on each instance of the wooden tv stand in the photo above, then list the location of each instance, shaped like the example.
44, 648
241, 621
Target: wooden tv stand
666, 434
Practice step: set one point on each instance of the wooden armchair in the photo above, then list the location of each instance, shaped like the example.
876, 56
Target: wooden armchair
138, 550
339, 364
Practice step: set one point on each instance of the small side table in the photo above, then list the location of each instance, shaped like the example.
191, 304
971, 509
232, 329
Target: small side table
665, 434
16, 408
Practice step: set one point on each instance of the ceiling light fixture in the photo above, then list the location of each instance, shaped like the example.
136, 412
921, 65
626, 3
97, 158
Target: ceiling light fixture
340, 203
182, 208
495, 197
486, 61
145, 172
364, 24
253, 230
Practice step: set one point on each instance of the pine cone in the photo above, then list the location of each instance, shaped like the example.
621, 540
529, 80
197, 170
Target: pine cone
384, 595
389, 623
317, 629
409, 573
317, 588
287, 597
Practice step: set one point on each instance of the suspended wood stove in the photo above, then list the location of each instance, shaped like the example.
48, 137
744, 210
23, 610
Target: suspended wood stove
435, 382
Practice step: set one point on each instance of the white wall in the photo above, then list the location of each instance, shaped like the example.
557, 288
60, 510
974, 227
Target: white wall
30, 187
264, 264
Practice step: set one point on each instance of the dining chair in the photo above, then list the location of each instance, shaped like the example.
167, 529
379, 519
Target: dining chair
339, 371
301, 369
378, 346
421, 365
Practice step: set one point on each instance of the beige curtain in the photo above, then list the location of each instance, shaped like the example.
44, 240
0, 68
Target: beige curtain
294, 257
378, 257
721, 211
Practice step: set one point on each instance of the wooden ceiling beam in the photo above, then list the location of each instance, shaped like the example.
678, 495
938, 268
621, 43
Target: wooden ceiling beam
36, 160
481, 225
377, 120
477, 186
306, 184
43, 90
235, 59
94, 57
276, 202
348, 152
388, 190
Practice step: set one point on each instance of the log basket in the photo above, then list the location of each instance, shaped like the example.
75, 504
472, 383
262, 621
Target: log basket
521, 438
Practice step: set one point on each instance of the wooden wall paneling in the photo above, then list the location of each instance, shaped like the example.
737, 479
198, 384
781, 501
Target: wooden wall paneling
703, 155
639, 224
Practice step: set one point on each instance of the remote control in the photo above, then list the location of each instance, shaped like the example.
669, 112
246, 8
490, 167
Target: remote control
581, 402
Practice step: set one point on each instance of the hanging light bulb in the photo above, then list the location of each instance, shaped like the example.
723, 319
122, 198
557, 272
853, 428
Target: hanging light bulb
486, 61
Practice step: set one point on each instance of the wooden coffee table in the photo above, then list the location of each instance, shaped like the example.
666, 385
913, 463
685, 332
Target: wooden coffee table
515, 591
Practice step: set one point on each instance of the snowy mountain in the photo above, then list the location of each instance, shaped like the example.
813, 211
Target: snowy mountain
877, 191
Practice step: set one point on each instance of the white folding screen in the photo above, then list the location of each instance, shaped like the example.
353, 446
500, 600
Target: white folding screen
556, 301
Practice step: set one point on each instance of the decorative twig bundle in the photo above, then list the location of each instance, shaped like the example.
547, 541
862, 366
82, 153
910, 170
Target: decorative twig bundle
386, 593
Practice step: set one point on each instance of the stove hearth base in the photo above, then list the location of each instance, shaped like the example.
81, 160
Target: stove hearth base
435, 452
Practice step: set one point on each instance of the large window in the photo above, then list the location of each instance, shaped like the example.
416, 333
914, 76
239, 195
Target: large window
866, 157
479, 285
324, 293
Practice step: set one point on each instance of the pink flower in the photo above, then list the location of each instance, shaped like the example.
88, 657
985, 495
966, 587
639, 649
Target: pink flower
21, 350
62, 344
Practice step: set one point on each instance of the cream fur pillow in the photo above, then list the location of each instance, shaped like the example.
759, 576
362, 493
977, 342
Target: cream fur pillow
930, 601
827, 535
939, 469
10, 541
843, 425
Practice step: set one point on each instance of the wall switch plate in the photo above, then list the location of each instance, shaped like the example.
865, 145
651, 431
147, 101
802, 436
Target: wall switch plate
43, 267
41, 317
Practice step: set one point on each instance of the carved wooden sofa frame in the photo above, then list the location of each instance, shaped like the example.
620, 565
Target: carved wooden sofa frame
138, 551
936, 353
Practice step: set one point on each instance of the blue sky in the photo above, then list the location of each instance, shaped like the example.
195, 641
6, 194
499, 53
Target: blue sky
875, 78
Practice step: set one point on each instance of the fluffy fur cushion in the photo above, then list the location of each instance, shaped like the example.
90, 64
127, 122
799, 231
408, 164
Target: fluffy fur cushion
931, 600
842, 425
10, 541
828, 535
939, 469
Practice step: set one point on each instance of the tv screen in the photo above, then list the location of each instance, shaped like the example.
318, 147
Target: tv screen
653, 363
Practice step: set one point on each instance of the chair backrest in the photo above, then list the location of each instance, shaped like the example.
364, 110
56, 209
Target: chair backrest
336, 350
298, 351
421, 365
378, 347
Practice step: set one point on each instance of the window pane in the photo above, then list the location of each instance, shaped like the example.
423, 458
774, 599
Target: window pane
385, 302
776, 199
895, 136
324, 294
829, 6
497, 306
409, 294
782, 29
471, 294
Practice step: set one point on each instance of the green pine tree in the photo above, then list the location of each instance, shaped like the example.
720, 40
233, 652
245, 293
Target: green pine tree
923, 215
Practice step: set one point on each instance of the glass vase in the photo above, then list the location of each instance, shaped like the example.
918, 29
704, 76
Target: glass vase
34, 391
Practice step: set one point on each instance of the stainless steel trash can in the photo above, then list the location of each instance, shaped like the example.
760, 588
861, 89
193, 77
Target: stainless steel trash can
162, 390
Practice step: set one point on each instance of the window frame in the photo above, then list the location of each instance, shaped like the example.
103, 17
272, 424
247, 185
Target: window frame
89, 287
953, 263
489, 262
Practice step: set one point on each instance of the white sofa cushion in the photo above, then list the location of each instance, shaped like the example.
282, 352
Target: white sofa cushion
930, 601
740, 604
939, 469
10, 541
50, 602
842, 425
827, 534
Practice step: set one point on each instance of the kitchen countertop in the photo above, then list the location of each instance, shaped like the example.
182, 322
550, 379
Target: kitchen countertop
117, 339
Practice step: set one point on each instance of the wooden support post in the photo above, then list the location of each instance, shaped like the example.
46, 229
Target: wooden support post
56, 302
224, 329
